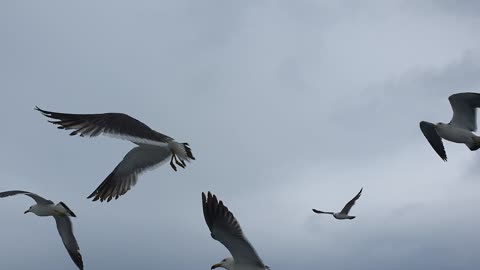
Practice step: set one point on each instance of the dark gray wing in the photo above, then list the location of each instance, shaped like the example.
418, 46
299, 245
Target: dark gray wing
125, 175
351, 203
321, 212
38, 199
464, 107
64, 227
226, 229
428, 130
114, 124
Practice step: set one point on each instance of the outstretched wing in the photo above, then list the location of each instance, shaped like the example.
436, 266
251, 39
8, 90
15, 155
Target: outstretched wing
351, 203
428, 130
464, 107
114, 124
321, 212
64, 227
38, 199
226, 229
125, 175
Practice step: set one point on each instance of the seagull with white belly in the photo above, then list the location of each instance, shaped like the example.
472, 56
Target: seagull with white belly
153, 148
61, 213
460, 129
225, 228
346, 209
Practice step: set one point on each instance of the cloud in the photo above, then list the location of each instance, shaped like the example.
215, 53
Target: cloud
287, 106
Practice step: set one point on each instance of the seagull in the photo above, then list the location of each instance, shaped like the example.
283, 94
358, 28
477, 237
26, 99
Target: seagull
344, 213
60, 213
153, 148
226, 229
461, 127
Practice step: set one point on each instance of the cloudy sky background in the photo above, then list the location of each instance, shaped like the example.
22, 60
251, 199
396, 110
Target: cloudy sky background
287, 105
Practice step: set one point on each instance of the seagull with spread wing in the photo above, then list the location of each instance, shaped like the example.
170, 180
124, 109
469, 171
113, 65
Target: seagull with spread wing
346, 209
460, 129
61, 213
226, 229
153, 148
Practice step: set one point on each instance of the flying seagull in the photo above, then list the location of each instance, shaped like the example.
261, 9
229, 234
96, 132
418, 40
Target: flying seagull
344, 213
60, 213
461, 127
226, 229
153, 148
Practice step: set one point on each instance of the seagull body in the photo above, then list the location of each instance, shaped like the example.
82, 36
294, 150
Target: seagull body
226, 229
152, 150
61, 213
346, 209
460, 128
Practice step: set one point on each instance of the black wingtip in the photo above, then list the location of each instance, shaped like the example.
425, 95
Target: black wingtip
68, 209
46, 113
94, 196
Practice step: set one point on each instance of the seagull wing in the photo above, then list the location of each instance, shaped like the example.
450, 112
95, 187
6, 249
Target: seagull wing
113, 124
38, 199
226, 229
464, 110
351, 203
428, 130
125, 175
321, 212
64, 227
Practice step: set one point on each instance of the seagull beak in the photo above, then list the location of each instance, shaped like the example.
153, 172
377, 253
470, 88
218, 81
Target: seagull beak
26, 211
216, 266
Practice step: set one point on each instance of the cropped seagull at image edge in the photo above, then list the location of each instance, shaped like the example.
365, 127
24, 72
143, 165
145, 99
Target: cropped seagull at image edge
226, 229
346, 209
60, 212
460, 129
153, 148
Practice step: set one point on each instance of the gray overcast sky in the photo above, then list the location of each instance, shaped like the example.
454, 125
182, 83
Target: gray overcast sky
287, 105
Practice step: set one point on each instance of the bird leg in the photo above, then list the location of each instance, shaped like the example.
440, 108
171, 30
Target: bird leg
171, 163
178, 162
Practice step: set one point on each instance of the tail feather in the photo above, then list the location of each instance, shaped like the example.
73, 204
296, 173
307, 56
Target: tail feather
189, 151
475, 145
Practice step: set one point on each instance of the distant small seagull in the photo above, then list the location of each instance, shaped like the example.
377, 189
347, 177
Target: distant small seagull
344, 213
61, 213
153, 148
460, 128
226, 229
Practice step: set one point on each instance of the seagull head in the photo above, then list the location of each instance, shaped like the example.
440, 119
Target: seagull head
227, 263
28, 210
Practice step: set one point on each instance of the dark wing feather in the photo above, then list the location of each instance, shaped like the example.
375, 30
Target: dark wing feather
321, 212
64, 227
226, 229
125, 175
38, 199
113, 124
351, 203
428, 130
